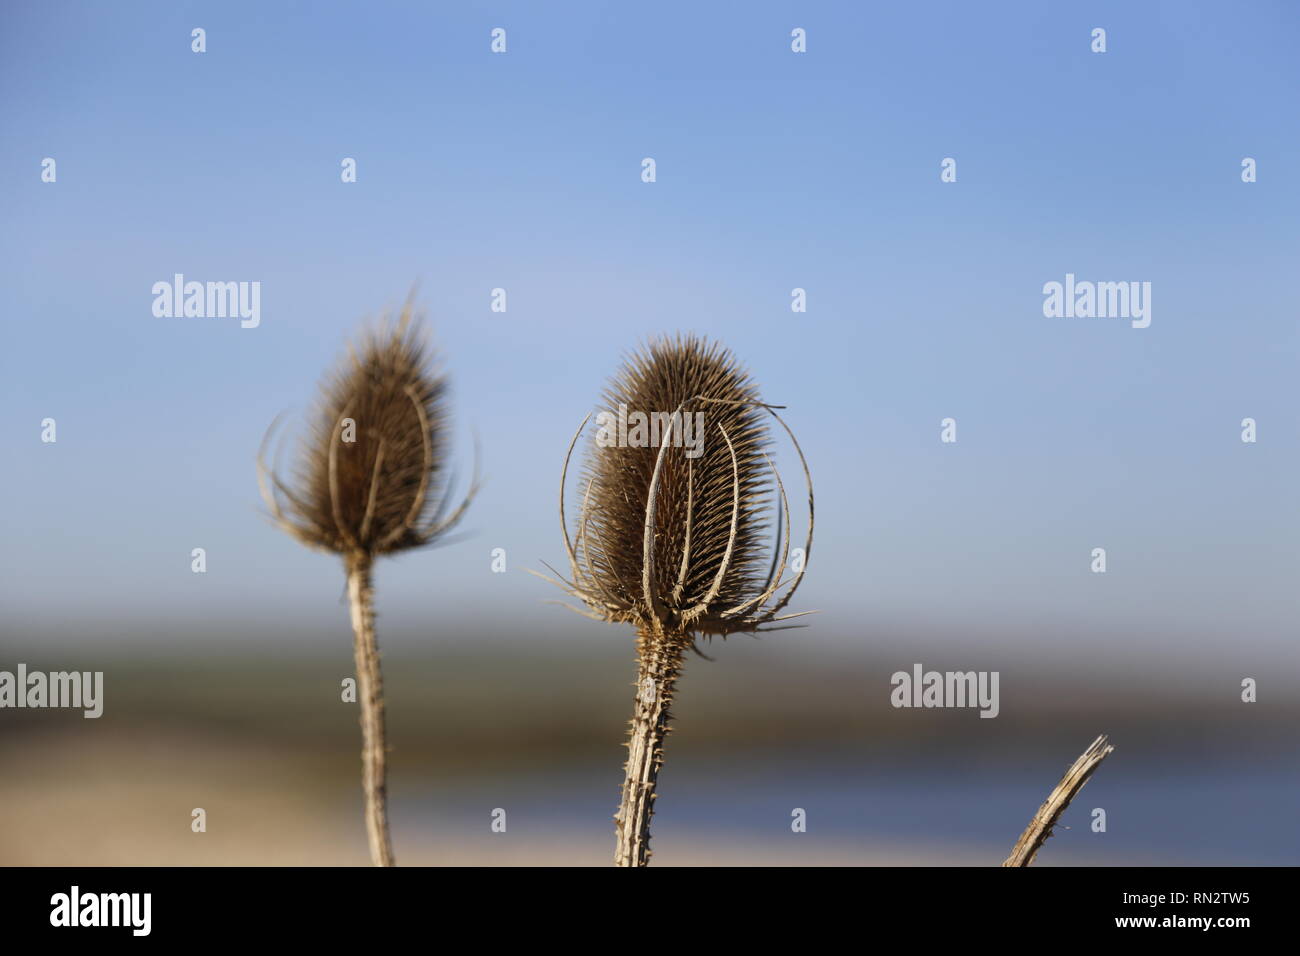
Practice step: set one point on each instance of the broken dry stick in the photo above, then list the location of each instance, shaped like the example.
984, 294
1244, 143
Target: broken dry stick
1040, 827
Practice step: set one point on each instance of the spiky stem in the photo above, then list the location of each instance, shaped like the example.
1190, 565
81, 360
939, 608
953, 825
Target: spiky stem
659, 663
370, 695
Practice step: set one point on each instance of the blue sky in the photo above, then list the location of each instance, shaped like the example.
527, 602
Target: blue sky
775, 171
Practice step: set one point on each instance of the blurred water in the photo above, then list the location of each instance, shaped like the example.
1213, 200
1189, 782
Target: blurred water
1238, 814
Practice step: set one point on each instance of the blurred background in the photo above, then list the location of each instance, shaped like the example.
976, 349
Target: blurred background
775, 171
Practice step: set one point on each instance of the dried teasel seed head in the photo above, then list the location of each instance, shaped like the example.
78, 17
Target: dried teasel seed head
675, 493
371, 475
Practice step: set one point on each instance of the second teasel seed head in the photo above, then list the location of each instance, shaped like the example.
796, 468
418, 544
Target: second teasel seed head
671, 534
371, 476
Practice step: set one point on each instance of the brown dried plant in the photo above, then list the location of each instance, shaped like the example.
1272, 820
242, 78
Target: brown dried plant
676, 545
371, 480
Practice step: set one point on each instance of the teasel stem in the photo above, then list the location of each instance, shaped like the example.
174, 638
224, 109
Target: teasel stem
370, 695
659, 663
1040, 827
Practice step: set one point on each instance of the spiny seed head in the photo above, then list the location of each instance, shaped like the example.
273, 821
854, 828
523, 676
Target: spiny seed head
370, 477
657, 381
674, 492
